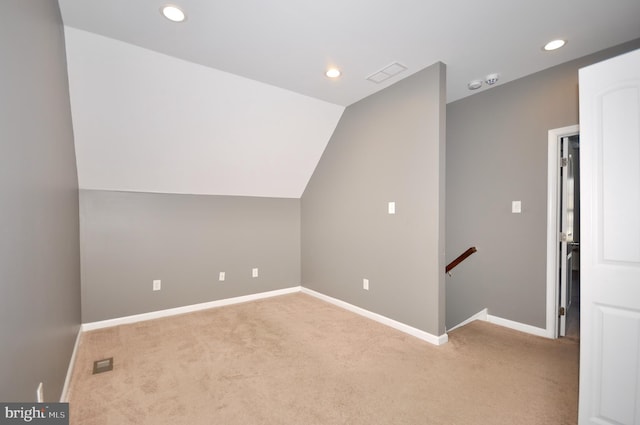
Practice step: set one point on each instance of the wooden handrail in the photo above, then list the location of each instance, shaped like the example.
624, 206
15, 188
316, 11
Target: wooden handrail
460, 259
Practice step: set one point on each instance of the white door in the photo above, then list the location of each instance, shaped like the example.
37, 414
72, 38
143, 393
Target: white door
610, 243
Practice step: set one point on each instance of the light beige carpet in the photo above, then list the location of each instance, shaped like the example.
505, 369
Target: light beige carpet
298, 360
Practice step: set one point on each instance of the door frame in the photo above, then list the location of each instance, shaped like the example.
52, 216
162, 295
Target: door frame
553, 224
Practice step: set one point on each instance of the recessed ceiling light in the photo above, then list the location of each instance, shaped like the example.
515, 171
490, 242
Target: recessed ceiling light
553, 45
173, 13
333, 73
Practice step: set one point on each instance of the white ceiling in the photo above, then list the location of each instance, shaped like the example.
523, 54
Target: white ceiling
290, 43
148, 122
234, 100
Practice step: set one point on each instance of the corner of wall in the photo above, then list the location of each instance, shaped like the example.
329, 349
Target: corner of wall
388, 147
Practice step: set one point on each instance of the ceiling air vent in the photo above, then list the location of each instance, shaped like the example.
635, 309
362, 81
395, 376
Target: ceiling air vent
387, 72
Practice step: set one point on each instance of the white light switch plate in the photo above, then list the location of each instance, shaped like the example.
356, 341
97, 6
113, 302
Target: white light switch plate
254, 272
365, 284
392, 207
516, 207
157, 285
221, 277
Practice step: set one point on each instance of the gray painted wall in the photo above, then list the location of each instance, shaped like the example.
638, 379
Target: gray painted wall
129, 239
387, 147
39, 243
497, 153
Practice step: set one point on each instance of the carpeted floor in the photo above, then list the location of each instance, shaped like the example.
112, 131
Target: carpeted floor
298, 360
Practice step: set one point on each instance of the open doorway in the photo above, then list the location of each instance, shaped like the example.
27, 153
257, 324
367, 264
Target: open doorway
563, 233
569, 240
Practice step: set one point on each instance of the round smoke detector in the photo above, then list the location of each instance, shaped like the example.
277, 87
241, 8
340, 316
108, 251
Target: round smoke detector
475, 84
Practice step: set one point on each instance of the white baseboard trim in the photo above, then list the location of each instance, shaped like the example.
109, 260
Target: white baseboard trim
425, 336
64, 395
481, 315
533, 330
486, 317
186, 309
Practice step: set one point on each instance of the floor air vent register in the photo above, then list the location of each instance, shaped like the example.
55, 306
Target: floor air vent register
104, 365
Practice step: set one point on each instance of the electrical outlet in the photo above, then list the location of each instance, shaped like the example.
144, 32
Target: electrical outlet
40, 394
221, 277
157, 284
365, 284
254, 272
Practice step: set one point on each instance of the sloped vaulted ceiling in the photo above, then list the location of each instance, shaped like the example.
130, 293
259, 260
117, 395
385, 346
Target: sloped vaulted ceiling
232, 116
147, 122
